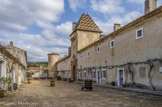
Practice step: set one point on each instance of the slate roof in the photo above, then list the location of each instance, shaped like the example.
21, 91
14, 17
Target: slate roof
86, 23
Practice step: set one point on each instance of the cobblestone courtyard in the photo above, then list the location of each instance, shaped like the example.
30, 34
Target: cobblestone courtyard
66, 94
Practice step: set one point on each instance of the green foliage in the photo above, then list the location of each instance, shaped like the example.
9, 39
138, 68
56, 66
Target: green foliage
37, 64
2, 79
8, 81
58, 77
29, 74
53, 79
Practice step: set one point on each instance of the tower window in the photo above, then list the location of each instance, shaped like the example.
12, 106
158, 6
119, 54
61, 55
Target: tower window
139, 33
112, 44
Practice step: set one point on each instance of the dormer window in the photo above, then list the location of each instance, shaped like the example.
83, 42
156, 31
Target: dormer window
112, 44
139, 33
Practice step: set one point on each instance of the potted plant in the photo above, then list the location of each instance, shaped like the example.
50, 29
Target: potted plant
29, 77
2, 92
8, 81
52, 82
113, 83
58, 77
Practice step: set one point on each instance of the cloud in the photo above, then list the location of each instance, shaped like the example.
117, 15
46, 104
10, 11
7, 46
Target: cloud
64, 29
37, 45
159, 2
137, 1
17, 15
107, 6
107, 26
74, 4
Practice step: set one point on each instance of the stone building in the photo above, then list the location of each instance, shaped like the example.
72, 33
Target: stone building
52, 59
129, 56
21, 55
11, 65
39, 72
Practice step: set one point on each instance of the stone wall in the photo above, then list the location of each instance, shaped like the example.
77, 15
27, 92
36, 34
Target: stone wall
64, 68
128, 49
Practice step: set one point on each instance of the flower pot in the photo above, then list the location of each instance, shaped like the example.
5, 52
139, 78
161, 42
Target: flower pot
29, 81
113, 83
2, 93
52, 82
9, 88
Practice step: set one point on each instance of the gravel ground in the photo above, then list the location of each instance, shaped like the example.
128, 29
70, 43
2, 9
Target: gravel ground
65, 94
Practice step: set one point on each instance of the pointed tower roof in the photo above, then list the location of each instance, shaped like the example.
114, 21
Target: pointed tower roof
86, 23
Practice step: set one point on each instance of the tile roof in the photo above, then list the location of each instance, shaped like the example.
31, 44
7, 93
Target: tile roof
131, 24
3, 49
53, 54
86, 23
34, 68
63, 58
37, 68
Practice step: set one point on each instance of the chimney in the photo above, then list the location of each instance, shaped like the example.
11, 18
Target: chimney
74, 25
11, 43
117, 26
150, 5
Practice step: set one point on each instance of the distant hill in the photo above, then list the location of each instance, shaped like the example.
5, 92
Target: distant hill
37, 64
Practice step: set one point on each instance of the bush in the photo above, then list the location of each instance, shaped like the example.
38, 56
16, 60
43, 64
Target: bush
29, 75
58, 77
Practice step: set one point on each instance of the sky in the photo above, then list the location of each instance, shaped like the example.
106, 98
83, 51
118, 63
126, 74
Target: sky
43, 26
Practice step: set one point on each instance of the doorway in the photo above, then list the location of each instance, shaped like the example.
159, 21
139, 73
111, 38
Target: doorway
98, 77
74, 70
120, 76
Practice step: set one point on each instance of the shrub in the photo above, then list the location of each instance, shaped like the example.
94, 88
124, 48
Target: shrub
58, 77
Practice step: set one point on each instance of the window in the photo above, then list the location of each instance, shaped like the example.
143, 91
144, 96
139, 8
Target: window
80, 56
98, 49
142, 72
160, 69
84, 74
79, 75
112, 44
88, 53
139, 33
103, 73
94, 74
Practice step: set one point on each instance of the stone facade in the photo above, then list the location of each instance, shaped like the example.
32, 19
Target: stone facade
129, 56
13, 64
39, 72
20, 55
52, 59
64, 67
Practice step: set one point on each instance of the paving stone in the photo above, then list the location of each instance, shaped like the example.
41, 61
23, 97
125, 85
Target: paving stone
66, 94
